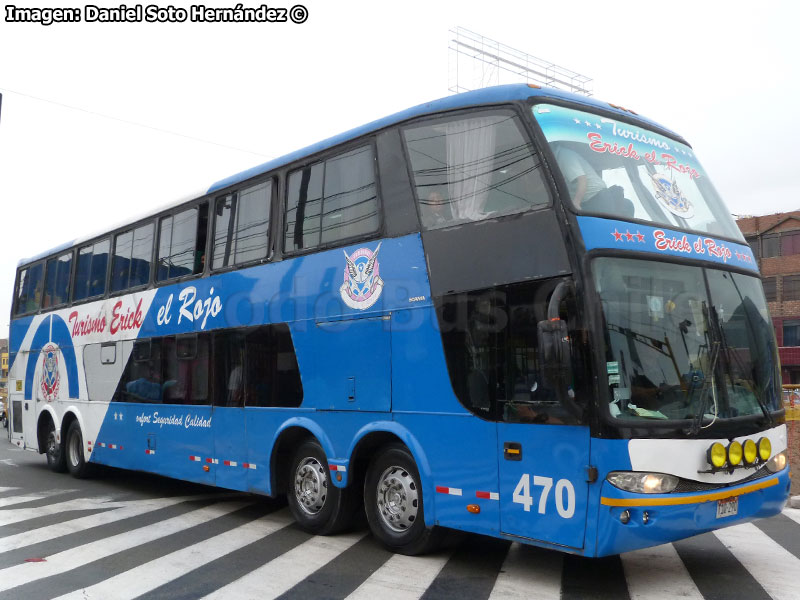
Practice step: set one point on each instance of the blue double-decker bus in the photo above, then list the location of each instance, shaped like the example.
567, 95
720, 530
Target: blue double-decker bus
515, 312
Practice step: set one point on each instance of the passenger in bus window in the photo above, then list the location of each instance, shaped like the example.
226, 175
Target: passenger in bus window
587, 189
436, 211
235, 385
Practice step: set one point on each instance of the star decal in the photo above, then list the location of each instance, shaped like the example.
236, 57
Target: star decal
629, 235
639, 236
617, 235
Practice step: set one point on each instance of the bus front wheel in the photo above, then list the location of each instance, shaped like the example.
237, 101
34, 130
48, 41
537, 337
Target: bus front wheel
76, 463
393, 502
317, 505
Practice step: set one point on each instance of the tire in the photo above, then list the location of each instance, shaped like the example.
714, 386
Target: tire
56, 457
317, 505
394, 504
73, 451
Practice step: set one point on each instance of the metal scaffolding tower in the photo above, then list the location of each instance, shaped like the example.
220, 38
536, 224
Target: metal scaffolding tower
476, 61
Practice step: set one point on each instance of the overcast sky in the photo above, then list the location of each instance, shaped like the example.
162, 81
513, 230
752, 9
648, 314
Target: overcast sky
723, 74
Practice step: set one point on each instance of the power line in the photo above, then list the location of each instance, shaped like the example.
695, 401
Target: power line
134, 123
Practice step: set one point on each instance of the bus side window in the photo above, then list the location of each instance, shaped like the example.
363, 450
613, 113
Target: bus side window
133, 252
241, 226
182, 243
332, 200
56, 289
29, 290
256, 367
90, 274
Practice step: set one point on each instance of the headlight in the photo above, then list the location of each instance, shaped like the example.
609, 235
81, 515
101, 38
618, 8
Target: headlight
643, 483
777, 462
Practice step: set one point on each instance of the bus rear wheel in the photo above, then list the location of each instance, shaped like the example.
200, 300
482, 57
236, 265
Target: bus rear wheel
317, 505
76, 463
393, 502
56, 458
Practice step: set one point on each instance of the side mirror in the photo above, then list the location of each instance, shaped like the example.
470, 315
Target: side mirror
556, 363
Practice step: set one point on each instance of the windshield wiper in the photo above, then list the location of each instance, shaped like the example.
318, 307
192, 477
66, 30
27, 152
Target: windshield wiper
708, 382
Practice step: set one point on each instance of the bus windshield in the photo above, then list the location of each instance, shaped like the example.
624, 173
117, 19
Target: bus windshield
626, 171
685, 342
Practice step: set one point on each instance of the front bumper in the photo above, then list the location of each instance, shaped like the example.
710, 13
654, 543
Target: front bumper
662, 518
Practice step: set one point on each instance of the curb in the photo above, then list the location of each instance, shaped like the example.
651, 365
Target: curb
794, 502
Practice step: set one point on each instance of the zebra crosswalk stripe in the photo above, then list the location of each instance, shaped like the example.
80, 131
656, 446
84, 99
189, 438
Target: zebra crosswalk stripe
527, 568
12, 500
768, 562
286, 571
17, 515
407, 576
658, 574
117, 512
793, 514
151, 575
82, 555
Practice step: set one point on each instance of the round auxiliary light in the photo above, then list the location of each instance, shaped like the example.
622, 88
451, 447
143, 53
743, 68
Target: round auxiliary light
717, 455
764, 449
750, 452
734, 453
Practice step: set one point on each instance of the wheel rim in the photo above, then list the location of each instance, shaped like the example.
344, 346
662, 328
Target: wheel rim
310, 485
52, 447
74, 449
398, 499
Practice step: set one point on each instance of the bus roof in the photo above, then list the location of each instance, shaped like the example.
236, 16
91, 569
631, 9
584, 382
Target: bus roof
491, 95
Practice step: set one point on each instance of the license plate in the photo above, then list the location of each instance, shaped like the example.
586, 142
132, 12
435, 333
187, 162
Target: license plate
727, 507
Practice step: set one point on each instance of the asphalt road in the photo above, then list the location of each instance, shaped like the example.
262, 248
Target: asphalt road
130, 535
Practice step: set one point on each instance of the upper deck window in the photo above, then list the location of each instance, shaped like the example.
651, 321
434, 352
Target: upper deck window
90, 275
182, 243
626, 171
133, 253
56, 288
241, 226
332, 200
29, 289
473, 168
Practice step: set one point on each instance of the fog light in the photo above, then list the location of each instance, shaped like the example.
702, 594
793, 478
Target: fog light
764, 449
717, 455
645, 518
750, 452
734, 453
625, 516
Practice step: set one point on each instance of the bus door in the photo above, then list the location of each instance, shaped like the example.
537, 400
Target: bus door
236, 368
543, 481
23, 410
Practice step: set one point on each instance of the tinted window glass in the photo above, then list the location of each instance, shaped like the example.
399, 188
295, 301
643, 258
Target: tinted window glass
29, 289
332, 201
770, 289
133, 252
181, 249
223, 225
473, 168
256, 367
791, 333
56, 289
770, 245
90, 275
791, 288
241, 226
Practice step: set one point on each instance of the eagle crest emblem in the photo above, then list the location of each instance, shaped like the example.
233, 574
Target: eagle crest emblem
50, 378
362, 282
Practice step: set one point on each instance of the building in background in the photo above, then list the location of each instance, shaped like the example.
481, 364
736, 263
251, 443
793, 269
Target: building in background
775, 240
